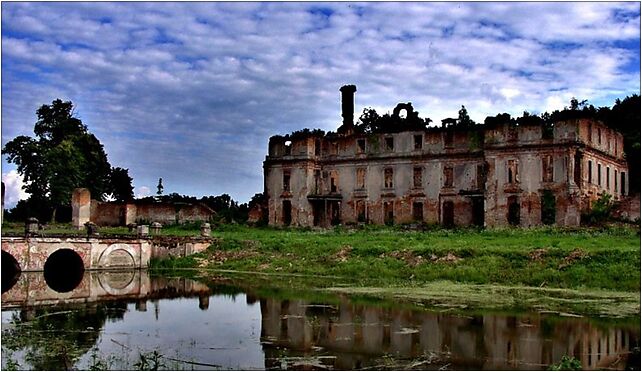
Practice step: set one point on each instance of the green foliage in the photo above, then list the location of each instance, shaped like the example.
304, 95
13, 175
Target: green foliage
548, 207
121, 185
600, 211
463, 120
371, 122
566, 364
149, 361
62, 157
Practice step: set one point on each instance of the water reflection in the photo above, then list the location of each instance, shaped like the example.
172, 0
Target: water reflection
357, 333
113, 317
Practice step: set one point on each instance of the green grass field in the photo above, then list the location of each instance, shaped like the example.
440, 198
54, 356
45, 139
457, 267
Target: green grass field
584, 258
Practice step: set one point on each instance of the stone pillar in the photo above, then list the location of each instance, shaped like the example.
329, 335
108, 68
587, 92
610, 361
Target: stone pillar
142, 231
130, 214
156, 228
92, 229
80, 208
206, 230
31, 226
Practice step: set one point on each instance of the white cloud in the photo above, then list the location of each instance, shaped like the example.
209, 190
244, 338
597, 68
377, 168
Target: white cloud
192, 91
13, 191
142, 191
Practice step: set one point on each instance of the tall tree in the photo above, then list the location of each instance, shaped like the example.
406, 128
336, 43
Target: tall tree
62, 156
463, 119
121, 184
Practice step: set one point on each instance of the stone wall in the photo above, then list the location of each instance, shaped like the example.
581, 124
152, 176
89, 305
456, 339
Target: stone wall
121, 214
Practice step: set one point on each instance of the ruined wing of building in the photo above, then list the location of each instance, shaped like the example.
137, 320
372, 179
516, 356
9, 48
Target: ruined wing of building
485, 175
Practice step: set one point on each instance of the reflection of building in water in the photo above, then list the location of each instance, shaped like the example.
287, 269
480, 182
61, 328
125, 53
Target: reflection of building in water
357, 334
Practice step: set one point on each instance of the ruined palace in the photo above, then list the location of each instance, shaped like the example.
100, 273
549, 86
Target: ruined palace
486, 175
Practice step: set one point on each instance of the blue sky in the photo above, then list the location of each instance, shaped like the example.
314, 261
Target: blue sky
191, 92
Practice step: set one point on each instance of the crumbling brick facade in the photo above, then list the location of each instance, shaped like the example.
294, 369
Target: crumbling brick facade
485, 175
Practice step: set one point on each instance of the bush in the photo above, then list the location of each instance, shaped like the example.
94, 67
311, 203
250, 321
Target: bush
566, 364
600, 211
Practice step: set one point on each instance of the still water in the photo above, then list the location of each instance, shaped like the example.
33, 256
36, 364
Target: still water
129, 320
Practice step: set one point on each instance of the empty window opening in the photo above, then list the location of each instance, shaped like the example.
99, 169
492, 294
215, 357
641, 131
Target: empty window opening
317, 181
448, 176
10, 271
418, 211
333, 183
335, 212
590, 132
288, 147
547, 168
608, 178
317, 147
577, 168
615, 144
361, 211
388, 178
513, 215
622, 183
448, 214
286, 180
389, 213
448, 139
590, 171
317, 213
64, 270
361, 145
548, 131
287, 213
478, 211
419, 141
334, 148
599, 174
390, 144
361, 178
513, 171
417, 177
481, 176
547, 200
615, 179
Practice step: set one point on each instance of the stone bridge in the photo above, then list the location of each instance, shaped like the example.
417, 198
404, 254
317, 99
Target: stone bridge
36, 253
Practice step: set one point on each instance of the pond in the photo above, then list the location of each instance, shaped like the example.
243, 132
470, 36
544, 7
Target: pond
131, 320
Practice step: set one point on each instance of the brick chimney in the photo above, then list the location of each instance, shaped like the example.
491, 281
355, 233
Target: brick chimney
347, 107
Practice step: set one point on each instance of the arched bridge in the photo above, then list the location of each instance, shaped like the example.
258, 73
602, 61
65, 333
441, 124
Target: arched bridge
36, 253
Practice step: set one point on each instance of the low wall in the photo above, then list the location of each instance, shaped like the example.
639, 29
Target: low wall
164, 247
119, 214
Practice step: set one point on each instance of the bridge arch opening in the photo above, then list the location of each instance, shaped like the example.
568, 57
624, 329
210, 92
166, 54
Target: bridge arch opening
64, 270
10, 271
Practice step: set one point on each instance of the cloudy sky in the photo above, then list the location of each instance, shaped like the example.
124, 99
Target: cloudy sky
191, 92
